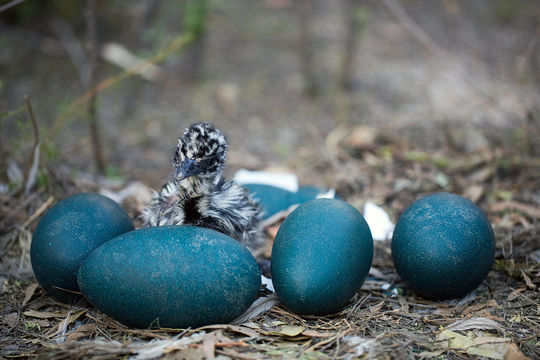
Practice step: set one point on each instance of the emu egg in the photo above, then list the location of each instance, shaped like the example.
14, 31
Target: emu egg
67, 233
272, 199
321, 256
443, 246
171, 276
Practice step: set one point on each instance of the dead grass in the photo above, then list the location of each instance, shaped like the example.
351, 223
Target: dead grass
384, 320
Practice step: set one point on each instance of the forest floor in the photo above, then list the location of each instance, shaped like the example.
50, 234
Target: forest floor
461, 117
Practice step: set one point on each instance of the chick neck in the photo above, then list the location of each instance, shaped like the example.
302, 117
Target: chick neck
198, 185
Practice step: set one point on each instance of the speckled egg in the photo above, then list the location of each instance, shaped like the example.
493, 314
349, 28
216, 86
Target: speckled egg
321, 256
271, 198
307, 192
443, 246
274, 199
67, 233
171, 276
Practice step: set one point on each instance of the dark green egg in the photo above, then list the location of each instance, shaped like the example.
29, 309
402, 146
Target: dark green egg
171, 276
271, 198
274, 199
443, 246
67, 233
307, 192
321, 256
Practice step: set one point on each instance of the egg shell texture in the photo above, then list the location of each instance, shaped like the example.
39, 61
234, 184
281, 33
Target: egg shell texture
443, 246
307, 192
67, 233
321, 256
171, 276
272, 199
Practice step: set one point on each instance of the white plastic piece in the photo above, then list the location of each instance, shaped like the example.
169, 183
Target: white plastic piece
268, 282
379, 222
285, 181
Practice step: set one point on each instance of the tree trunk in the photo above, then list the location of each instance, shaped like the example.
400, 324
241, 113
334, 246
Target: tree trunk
305, 46
346, 76
95, 137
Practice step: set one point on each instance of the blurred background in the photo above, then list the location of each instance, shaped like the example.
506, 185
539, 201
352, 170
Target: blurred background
295, 84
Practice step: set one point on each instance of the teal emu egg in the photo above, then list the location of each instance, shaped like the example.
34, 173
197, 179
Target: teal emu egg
67, 233
321, 256
443, 246
272, 199
171, 276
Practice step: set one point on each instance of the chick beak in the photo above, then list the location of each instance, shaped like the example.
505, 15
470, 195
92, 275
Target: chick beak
189, 167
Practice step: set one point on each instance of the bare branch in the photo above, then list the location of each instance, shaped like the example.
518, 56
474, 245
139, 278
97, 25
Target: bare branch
305, 46
410, 25
99, 159
74, 49
350, 45
176, 44
3, 160
10, 5
30, 174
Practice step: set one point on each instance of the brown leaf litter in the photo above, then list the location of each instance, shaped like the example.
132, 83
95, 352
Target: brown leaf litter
499, 320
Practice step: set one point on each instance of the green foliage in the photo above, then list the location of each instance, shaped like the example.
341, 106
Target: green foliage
416, 156
506, 11
386, 153
282, 150
32, 326
361, 17
43, 178
195, 17
440, 161
50, 150
113, 172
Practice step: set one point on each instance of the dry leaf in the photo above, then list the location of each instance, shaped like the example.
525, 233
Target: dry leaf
28, 292
81, 331
489, 347
361, 345
529, 210
514, 294
377, 307
528, 281
244, 330
157, 348
287, 330
317, 334
431, 354
404, 304
473, 308
44, 314
278, 328
476, 323
209, 345
482, 175
474, 192
361, 137
11, 319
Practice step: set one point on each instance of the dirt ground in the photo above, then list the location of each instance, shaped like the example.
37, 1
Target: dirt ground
444, 97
